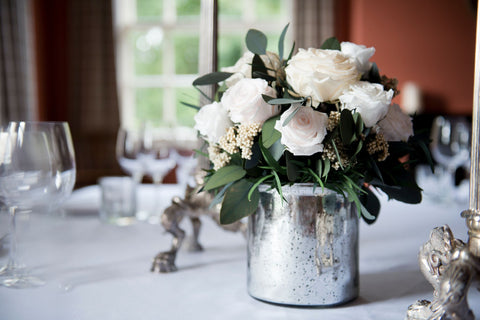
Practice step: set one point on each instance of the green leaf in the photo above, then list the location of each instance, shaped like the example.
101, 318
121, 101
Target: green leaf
269, 159
292, 169
236, 205
267, 98
347, 127
357, 149
371, 206
317, 178
276, 150
255, 158
278, 185
256, 41
281, 42
359, 124
259, 181
262, 75
223, 176
269, 134
290, 117
373, 75
219, 196
331, 43
291, 51
405, 194
258, 67
190, 105
326, 168
285, 101
375, 168
337, 154
212, 78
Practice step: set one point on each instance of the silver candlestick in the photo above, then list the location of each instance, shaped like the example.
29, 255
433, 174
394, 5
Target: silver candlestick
449, 264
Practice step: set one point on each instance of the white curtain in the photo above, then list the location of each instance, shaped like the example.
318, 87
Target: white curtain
314, 22
17, 97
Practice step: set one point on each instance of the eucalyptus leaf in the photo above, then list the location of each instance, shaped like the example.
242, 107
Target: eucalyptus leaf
224, 176
269, 134
291, 51
285, 101
236, 205
267, 98
281, 42
212, 78
256, 41
331, 43
276, 150
219, 196
190, 105
290, 117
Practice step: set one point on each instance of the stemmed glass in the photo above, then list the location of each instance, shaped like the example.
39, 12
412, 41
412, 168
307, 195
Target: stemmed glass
129, 146
450, 149
37, 168
157, 162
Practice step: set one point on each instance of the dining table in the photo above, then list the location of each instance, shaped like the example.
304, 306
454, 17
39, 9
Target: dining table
100, 271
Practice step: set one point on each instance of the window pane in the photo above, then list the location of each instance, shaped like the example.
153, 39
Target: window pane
187, 8
147, 48
270, 9
185, 114
272, 44
230, 9
186, 53
230, 49
149, 10
149, 105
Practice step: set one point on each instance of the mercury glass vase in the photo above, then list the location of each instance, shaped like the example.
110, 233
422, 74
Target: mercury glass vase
303, 251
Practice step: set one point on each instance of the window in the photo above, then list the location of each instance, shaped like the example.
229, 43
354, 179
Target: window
157, 53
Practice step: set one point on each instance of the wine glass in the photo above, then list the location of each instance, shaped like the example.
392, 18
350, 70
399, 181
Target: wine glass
37, 168
157, 161
450, 148
129, 146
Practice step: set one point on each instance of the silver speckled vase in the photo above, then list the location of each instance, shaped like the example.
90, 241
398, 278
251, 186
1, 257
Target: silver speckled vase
303, 251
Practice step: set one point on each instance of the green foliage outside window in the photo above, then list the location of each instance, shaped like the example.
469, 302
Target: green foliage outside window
148, 54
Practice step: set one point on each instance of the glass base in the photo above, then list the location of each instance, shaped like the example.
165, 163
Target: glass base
19, 278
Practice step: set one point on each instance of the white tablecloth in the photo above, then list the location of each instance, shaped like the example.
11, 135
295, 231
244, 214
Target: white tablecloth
99, 271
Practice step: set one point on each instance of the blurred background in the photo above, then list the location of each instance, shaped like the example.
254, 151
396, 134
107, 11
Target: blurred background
106, 64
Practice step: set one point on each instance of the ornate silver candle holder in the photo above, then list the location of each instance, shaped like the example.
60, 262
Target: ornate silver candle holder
449, 264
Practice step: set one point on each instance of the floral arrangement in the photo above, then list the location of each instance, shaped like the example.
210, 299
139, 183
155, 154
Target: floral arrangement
323, 116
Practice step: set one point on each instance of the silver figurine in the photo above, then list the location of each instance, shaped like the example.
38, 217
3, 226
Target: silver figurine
193, 205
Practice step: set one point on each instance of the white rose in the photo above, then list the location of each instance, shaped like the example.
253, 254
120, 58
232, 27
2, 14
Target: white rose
368, 99
397, 125
245, 103
321, 74
304, 134
212, 121
243, 67
360, 53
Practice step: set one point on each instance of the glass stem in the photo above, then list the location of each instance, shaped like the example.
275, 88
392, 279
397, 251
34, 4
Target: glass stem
157, 180
12, 254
